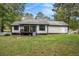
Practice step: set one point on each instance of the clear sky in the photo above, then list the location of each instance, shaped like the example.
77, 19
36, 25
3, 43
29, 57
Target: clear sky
34, 8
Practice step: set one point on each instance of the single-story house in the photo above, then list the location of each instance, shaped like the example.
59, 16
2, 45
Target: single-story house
38, 26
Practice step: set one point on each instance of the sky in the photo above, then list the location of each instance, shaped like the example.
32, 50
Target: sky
34, 8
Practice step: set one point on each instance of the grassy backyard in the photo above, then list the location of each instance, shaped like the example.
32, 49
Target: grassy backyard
40, 45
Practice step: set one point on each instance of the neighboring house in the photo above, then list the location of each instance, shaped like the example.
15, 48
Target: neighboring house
38, 26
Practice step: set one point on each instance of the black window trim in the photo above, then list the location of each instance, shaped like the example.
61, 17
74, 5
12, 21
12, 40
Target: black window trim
17, 27
42, 28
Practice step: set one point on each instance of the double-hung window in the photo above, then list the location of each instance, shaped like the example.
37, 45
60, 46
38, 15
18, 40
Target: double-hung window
16, 27
42, 27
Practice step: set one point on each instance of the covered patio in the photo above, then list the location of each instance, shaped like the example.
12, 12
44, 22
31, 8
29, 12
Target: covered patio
27, 29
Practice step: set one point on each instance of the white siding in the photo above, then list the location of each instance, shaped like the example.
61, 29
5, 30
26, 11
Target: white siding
15, 31
56, 29
38, 30
49, 29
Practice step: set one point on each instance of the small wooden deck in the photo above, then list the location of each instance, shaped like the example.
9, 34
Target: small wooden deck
26, 33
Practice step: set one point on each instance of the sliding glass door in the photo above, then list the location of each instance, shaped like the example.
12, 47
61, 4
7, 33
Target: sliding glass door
26, 28
29, 28
32, 28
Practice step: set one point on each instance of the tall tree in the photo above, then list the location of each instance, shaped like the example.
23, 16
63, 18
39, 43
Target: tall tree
39, 15
29, 16
9, 13
67, 12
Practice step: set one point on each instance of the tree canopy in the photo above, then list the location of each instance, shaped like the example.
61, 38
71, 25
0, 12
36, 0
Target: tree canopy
9, 13
67, 12
29, 16
40, 15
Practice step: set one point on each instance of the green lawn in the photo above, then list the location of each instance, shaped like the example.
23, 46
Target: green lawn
63, 44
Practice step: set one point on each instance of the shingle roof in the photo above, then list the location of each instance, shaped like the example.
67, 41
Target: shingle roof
16, 23
34, 21
57, 23
39, 21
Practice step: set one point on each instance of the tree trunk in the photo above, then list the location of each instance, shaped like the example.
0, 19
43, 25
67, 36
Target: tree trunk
2, 26
68, 21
